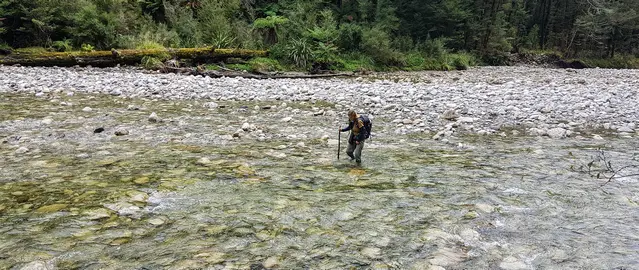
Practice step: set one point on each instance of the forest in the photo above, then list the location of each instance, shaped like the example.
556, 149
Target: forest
338, 34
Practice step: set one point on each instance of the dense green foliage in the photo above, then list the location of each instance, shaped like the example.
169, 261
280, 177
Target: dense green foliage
342, 34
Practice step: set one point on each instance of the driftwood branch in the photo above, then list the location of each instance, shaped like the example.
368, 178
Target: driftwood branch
601, 168
234, 74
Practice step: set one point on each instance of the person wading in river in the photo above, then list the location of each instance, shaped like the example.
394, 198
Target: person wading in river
356, 125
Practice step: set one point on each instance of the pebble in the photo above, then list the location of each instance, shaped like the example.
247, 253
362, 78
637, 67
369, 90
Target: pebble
121, 132
154, 118
246, 127
87, 109
22, 150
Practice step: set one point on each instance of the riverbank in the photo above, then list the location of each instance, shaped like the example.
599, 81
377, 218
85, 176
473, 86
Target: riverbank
502, 101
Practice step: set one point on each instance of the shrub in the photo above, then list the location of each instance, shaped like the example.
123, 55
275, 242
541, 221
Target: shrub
298, 52
349, 37
376, 43
461, 61
433, 48
325, 53
264, 64
62, 45
150, 33
86, 47
150, 62
149, 45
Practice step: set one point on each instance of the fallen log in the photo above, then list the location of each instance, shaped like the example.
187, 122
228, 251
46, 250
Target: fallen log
261, 76
125, 57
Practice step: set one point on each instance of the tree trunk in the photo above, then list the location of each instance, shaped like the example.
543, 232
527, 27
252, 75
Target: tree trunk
125, 57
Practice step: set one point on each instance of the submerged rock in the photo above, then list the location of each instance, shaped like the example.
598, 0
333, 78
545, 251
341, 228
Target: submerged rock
271, 262
51, 208
96, 214
38, 265
372, 252
512, 263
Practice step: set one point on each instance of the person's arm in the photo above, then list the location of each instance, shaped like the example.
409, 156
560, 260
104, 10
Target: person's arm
350, 126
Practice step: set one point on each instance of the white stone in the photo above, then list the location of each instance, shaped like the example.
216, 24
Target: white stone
38, 265
154, 117
271, 262
87, 109
512, 263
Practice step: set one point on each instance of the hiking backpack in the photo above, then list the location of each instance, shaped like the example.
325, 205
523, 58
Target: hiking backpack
368, 125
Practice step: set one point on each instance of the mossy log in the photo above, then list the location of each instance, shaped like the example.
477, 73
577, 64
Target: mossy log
125, 57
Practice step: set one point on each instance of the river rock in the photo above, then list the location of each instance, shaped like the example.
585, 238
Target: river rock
156, 221
512, 263
38, 265
557, 133
153, 118
371, 252
87, 109
96, 214
450, 115
121, 132
22, 150
211, 105
47, 121
286, 119
246, 127
625, 129
448, 256
271, 262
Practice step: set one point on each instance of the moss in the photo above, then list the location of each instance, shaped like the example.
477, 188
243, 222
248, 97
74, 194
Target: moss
132, 57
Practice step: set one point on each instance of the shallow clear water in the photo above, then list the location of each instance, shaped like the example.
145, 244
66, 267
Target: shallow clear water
181, 194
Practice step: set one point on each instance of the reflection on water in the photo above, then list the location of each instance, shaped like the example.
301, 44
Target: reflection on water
182, 194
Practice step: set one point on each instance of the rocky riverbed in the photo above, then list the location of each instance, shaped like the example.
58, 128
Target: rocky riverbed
481, 169
493, 100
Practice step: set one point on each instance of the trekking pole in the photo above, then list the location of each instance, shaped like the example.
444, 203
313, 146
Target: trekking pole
339, 141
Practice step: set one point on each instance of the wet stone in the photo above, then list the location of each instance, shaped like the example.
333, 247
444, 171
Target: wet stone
51, 208
372, 252
512, 263
121, 132
38, 265
153, 118
96, 214
156, 221
271, 262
